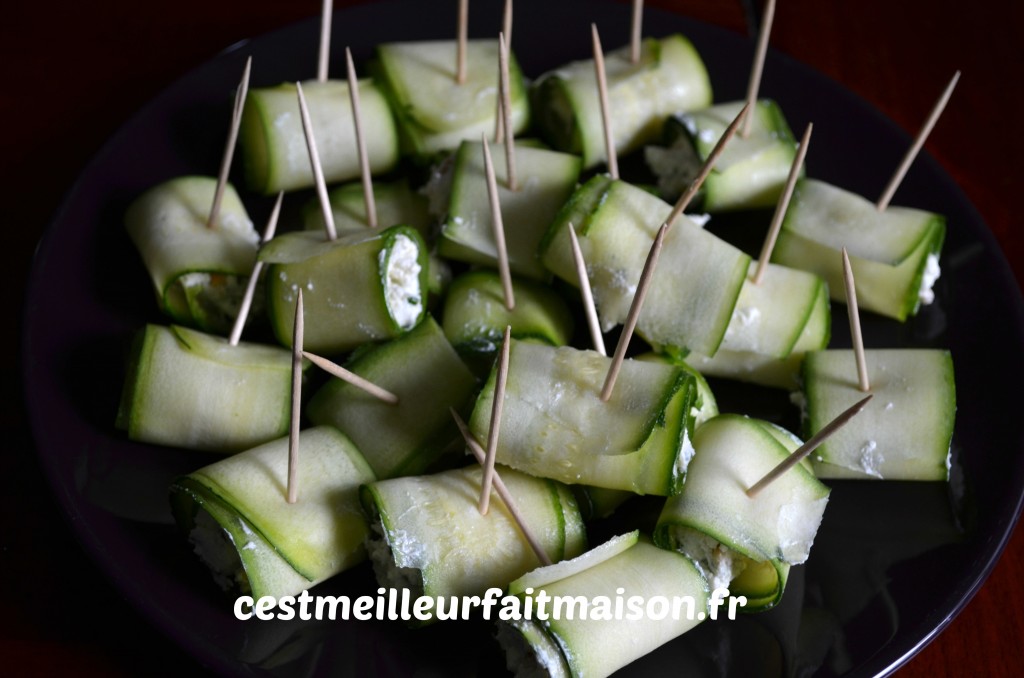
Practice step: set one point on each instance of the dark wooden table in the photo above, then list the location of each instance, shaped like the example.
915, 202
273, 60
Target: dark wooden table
73, 72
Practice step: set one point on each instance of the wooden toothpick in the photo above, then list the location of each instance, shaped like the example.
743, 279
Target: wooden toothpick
496, 408
758, 67
798, 455
588, 296
504, 93
502, 490
351, 377
855, 333
781, 207
462, 40
499, 117
498, 229
314, 160
602, 95
636, 30
364, 160
709, 164
293, 428
901, 171
634, 314
229, 146
325, 40
250, 288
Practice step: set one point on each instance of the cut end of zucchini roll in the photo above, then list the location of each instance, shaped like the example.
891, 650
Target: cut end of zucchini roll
402, 293
217, 550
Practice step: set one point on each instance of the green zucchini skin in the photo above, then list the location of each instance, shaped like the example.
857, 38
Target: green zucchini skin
554, 425
280, 549
670, 77
894, 254
346, 285
185, 388
273, 144
407, 437
904, 433
199, 273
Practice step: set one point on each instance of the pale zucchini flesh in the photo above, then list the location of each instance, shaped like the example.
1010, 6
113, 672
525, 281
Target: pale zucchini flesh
198, 273
903, 433
358, 288
669, 77
316, 537
406, 437
545, 181
273, 143
188, 389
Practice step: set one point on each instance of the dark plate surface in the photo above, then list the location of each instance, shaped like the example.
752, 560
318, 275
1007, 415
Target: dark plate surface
892, 564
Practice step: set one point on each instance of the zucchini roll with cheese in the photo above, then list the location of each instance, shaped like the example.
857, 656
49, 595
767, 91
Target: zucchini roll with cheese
583, 640
894, 253
694, 289
237, 517
273, 143
427, 534
193, 390
554, 424
434, 111
750, 173
746, 544
669, 77
362, 287
199, 273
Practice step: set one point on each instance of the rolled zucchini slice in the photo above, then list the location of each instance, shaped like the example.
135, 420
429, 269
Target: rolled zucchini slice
396, 203
199, 273
670, 77
189, 389
358, 288
695, 286
237, 517
904, 433
754, 349
750, 173
546, 180
428, 535
433, 111
406, 437
588, 640
745, 544
475, 316
554, 424
894, 254
273, 143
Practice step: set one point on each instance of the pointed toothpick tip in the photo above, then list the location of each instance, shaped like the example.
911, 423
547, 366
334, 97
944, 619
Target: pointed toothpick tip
498, 228
350, 377
709, 164
501, 379
856, 336
915, 148
229, 146
781, 207
364, 159
606, 111
801, 452
250, 287
499, 486
589, 308
634, 314
298, 331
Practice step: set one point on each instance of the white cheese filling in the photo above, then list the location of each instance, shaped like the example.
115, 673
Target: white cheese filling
402, 292
928, 278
